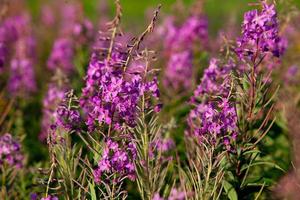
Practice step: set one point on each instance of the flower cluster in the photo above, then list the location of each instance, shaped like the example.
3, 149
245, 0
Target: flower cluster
214, 120
215, 80
10, 151
112, 94
215, 116
62, 55
22, 76
68, 118
117, 158
195, 28
68, 115
51, 101
260, 34
179, 70
17, 49
178, 45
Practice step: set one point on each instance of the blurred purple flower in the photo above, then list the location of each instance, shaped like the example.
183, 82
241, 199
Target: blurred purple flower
21, 79
62, 55
291, 74
178, 47
163, 144
175, 194
17, 48
195, 28
47, 17
157, 197
83, 32
49, 197
179, 71
10, 151
292, 71
51, 101
33, 196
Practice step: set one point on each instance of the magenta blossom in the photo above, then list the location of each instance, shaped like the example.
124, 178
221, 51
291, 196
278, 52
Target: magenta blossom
10, 151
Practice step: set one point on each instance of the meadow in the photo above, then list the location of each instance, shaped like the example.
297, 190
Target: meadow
151, 100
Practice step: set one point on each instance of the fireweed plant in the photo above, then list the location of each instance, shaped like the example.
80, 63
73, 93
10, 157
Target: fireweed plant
233, 114
117, 103
255, 93
107, 132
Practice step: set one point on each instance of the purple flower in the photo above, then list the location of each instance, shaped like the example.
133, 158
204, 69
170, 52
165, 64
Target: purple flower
260, 34
292, 71
48, 17
33, 196
111, 95
179, 71
157, 197
8, 30
163, 144
178, 47
214, 115
83, 32
175, 194
215, 80
17, 49
291, 74
49, 197
195, 28
158, 107
213, 119
68, 117
51, 101
62, 55
21, 79
75, 31
117, 158
10, 151
70, 15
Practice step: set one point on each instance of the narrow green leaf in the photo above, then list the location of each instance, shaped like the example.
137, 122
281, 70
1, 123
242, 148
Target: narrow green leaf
229, 189
92, 191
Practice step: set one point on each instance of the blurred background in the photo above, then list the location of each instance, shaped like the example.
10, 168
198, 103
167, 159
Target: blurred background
135, 11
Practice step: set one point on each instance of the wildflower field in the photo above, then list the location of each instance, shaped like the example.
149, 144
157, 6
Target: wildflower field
150, 100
